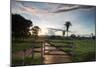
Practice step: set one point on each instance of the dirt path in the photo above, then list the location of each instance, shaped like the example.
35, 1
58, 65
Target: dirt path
55, 56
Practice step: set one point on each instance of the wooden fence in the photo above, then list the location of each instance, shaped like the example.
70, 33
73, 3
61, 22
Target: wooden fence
43, 51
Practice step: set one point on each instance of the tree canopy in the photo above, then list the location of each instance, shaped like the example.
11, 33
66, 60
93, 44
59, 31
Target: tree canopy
20, 26
67, 25
35, 31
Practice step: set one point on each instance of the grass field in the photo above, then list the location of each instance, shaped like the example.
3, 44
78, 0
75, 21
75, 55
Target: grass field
85, 50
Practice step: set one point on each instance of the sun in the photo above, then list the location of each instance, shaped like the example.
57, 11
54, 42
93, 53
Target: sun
43, 31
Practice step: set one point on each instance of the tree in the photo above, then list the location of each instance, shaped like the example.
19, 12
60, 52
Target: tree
73, 35
20, 26
35, 31
67, 25
93, 36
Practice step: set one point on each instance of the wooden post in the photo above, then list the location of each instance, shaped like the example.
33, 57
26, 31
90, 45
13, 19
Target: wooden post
42, 52
43, 48
33, 53
24, 56
73, 47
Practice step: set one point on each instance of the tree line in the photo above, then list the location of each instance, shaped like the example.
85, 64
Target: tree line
21, 27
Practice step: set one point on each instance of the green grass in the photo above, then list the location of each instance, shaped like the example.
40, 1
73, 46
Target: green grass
17, 61
20, 45
61, 41
85, 50
36, 60
28, 60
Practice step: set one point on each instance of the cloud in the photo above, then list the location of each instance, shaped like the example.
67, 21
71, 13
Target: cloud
53, 16
67, 8
35, 11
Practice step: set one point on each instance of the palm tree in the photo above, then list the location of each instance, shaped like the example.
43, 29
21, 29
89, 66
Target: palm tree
35, 31
67, 25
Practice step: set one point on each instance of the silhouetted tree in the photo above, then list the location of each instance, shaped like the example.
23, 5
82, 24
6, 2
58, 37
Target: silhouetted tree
20, 26
67, 25
78, 36
73, 35
93, 36
35, 31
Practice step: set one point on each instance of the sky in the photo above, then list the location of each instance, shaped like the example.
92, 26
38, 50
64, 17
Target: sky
54, 15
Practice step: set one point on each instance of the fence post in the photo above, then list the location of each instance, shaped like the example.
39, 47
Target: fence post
73, 47
24, 50
42, 52
33, 53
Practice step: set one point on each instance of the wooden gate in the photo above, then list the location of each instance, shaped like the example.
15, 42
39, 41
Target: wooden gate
57, 50
48, 48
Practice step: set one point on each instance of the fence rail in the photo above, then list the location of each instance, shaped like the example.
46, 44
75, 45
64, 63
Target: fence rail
43, 51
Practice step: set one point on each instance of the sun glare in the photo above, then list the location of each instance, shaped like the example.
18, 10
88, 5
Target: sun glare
43, 31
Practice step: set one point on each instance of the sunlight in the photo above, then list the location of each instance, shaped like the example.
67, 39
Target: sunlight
43, 31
